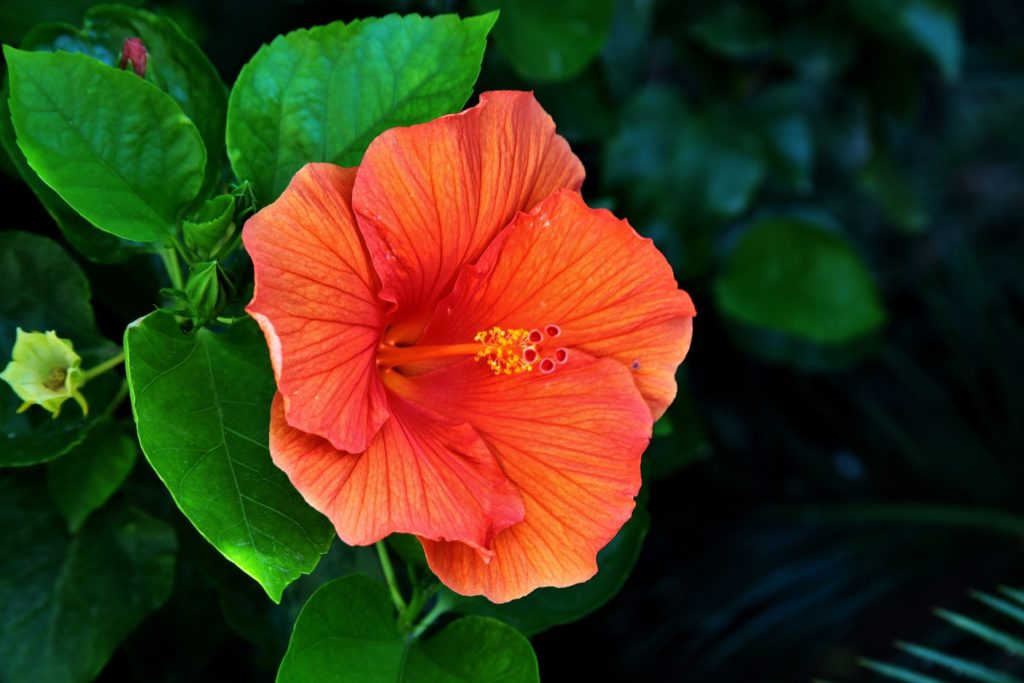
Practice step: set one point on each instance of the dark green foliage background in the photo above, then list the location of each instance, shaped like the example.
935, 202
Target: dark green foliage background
848, 447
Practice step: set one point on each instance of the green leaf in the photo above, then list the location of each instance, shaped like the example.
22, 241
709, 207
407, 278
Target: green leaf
549, 41
347, 633
44, 289
735, 30
202, 407
269, 626
957, 665
66, 602
882, 180
94, 244
793, 276
897, 673
1000, 605
83, 480
324, 93
547, 607
113, 146
177, 66
699, 167
930, 26
990, 634
782, 115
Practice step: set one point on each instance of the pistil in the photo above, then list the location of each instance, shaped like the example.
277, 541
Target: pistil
506, 352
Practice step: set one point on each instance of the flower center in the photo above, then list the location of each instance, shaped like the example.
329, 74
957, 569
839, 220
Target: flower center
506, 352
55, 380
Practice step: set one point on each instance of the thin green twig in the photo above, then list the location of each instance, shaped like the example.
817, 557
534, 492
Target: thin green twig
170, 259
389, 575
440, 607
106, 365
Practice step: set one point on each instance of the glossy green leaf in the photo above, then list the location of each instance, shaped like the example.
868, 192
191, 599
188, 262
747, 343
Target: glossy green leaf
347, 633
324, 93
94, 244
66, 602
176, 65
114, 147
84, 479
202, 407
793, 276
44, 289
549, 41
547, 607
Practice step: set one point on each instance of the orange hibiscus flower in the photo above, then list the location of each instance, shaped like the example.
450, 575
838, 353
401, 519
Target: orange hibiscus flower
464, 350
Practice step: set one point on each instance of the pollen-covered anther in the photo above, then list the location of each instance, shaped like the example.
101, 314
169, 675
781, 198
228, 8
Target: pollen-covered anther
507, 352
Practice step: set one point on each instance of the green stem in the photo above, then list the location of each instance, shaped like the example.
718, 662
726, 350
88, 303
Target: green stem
389, 574
122, 394
440, 607
108, 364
416, 603
170, 258
181, 249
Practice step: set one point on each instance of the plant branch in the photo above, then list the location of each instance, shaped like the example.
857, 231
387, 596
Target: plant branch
170, 259
440, 607
106, 365
389, 575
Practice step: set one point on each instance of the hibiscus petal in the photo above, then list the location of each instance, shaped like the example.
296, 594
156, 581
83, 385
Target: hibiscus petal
431, 197
316, 301
609, 292
571, 443
420, 475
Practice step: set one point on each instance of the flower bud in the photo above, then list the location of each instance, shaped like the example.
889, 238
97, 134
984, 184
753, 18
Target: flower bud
211, 227
44, 370
204, 291
133, 52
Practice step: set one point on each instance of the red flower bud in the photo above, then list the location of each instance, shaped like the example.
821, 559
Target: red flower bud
133, 52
